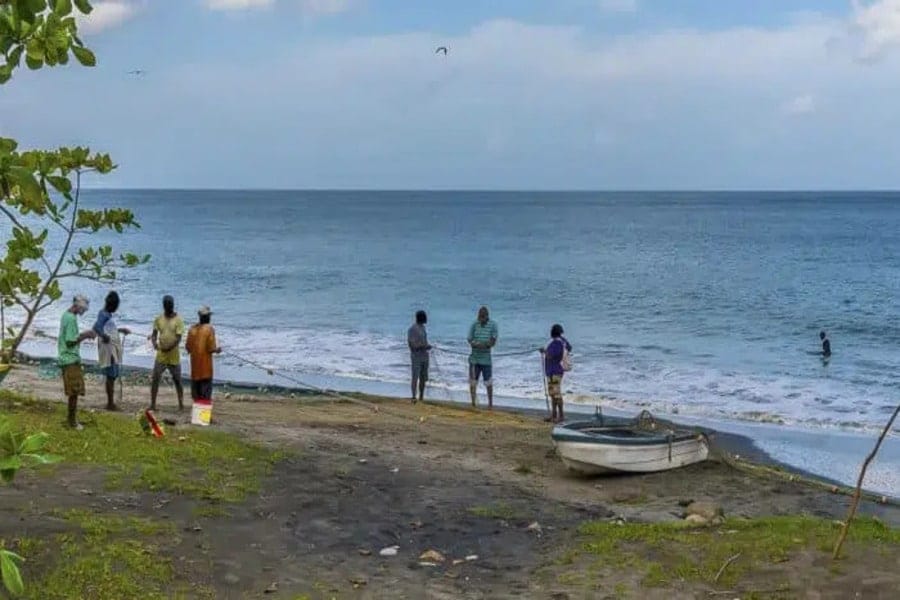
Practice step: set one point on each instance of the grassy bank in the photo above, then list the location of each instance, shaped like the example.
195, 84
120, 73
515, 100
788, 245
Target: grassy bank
206, 464
755, 558
86, 552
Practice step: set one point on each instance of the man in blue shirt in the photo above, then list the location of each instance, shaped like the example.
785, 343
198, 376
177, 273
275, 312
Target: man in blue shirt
482, 337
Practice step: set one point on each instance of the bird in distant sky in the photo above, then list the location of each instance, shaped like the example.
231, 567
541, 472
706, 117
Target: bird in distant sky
441, 49
137, 72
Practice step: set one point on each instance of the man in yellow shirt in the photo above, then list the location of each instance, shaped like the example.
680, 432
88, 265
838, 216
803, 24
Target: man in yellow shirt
168, 328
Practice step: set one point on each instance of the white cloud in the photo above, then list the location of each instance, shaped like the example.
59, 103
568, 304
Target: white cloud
106, 15
876, 27
799, 105
623, 6
238, 4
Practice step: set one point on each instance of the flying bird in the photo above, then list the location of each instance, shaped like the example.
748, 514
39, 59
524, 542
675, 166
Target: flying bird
137, 72
441, 49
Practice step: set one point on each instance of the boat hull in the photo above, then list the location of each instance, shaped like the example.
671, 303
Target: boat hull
589, 458
617, 445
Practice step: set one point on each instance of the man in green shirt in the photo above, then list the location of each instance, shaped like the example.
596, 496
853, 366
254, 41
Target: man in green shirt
69, 355
168, 328
482, 337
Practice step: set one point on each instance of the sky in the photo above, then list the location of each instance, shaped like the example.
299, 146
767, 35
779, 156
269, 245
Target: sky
533, 94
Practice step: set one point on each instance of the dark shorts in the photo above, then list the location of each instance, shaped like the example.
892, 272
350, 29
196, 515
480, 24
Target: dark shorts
73, 380
201, 388
159, 368
485, 371
112, 371
420, 368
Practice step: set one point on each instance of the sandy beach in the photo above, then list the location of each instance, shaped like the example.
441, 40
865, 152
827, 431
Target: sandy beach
487, 486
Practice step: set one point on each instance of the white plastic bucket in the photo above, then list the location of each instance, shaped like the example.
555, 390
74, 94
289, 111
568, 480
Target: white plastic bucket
201, 412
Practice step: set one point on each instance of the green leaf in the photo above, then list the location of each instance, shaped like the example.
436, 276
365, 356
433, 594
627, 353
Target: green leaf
12, 579
43, 459
33, 443
15, 56
5, 73
60, 184
62, 7
28, 185
84, 56
10, 463
84, 6
33, 63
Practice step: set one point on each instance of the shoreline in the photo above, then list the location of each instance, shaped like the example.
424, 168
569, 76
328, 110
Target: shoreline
737, 443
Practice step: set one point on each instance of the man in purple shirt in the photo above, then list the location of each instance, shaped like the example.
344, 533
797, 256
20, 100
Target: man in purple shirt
555, 366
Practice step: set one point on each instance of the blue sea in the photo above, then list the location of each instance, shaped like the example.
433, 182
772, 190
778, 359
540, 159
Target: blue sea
702, 304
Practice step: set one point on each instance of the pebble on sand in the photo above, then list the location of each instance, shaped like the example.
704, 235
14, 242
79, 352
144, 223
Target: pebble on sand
389, 551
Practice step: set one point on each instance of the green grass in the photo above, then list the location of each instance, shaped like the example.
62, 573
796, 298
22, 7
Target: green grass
494, 511
101, 557
668, 552
207, 464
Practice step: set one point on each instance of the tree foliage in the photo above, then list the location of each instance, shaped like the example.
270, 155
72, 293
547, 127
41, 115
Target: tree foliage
40, 189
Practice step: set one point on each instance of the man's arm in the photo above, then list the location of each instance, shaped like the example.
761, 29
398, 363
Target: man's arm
99, 324
494, 335
212, 345
189, 344
154, 336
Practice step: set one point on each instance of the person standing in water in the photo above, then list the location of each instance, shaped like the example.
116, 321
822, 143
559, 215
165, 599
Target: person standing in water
554, 369
482, 338
826, 345
109, 346
417, 338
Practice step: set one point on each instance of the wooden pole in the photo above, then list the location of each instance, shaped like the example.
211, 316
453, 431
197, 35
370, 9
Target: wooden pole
862, 475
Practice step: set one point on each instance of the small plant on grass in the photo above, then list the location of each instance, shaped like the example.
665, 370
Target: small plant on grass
17, 451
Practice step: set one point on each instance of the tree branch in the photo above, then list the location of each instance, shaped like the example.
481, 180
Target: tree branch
12, 217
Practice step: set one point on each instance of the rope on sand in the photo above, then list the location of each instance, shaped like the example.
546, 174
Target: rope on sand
759, 469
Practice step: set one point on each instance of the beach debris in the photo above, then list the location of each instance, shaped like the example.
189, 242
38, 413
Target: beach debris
416, 524
423, 442
432, 556
834, 489
364, 552
685, 502
395, 470
421, 419
458, 561
227, 395
389, 551
535, 527
697, 520
472, 557
358, 582
86, 492
362, 461
273, 587
725, 566
705, 509
423, 563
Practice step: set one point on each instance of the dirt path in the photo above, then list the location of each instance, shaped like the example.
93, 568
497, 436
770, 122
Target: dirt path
424, 477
